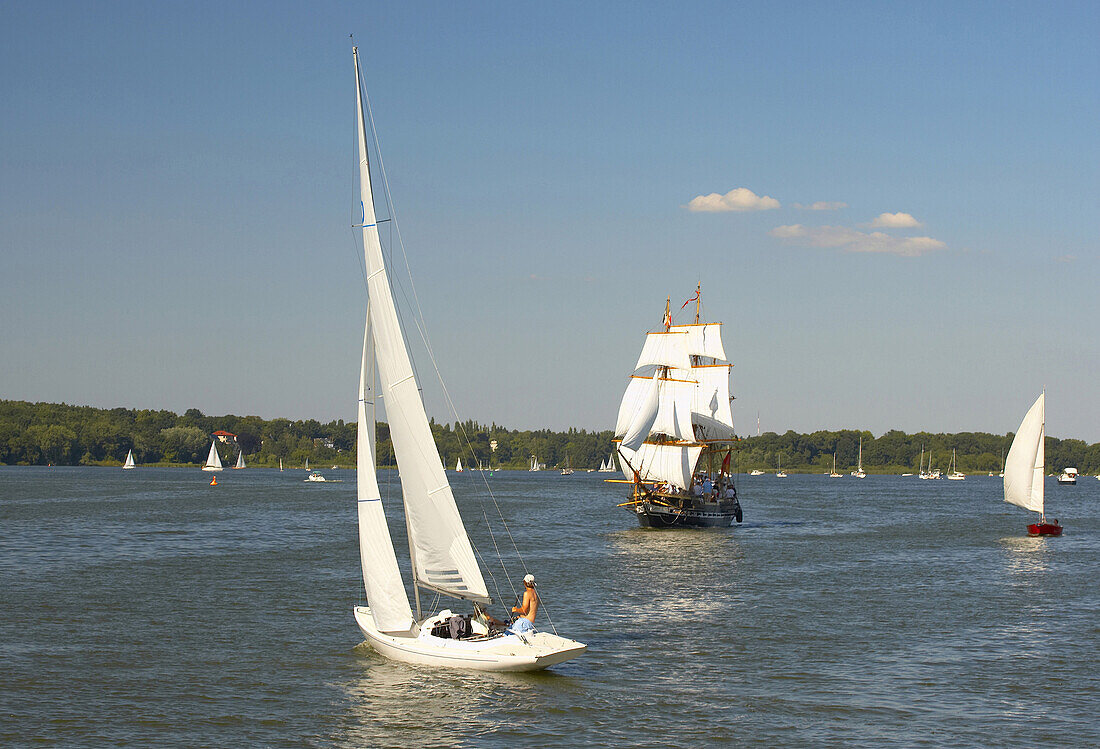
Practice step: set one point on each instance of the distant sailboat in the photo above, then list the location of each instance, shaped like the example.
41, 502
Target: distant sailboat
307, 464
458, 466
834, 474
240, 461
858, 472
780, 474
953, 474
1025, 466
280, 464
213, 460
534, 464
129, 460
609, 466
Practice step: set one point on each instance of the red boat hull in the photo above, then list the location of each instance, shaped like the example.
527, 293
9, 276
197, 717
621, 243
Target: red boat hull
1044, 529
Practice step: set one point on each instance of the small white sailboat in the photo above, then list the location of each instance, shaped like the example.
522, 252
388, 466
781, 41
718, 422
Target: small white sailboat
213, 460
306, 467
129, 460
534, 464
953, 474
609, 466
756, 472
442, 557
858, 472
1025, 466
458, 466
280, 464
834, 474
240, 461
779, 474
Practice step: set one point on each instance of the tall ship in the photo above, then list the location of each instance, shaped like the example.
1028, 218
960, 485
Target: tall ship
674, 432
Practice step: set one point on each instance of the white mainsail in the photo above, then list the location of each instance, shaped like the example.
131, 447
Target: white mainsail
443, 559
213, 460
389, 602
240, 460
1026, 460
703, 339
673, 463
129, 460
664, 349
644, 413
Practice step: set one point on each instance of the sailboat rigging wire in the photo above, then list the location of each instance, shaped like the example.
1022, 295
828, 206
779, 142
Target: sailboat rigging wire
418, 317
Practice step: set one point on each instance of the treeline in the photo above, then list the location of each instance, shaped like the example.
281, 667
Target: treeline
59, 434
898, 452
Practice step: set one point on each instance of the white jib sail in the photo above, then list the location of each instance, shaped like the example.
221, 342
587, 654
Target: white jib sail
386, 595
645, 413
213, 460
240, 460
703, 339
664, 349
672, 463
1026, 461
129, 460
443, 558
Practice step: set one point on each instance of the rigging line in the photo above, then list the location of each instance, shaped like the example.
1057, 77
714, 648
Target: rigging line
396, 227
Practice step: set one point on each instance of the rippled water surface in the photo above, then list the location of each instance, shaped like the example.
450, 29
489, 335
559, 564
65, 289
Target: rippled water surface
146, 607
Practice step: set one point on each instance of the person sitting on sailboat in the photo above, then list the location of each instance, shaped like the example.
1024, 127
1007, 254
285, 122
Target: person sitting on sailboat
525, 622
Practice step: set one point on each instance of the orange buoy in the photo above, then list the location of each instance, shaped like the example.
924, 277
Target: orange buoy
213, 481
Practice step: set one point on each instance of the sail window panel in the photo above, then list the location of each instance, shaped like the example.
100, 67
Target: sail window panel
703, 339
1026, 461
664, 350
674, 464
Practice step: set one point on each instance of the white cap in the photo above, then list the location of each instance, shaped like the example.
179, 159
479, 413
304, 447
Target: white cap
529, 578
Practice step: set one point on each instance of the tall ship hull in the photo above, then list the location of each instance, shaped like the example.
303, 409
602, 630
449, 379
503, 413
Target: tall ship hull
687, 512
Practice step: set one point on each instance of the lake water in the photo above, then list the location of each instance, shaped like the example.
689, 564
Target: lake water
147, 608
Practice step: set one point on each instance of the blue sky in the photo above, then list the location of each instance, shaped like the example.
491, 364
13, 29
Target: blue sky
177, 182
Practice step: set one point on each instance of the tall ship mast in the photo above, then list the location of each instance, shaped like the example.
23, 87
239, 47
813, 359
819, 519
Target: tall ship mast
674, 431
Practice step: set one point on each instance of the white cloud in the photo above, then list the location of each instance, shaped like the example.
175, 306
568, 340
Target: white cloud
738, 199
897, 220
851, 240
822, 205
1067, 258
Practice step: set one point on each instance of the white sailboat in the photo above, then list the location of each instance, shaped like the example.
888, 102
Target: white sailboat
213, 460
534, 464
608, 466
240, 461
779, 474
953, 474
1025, 466
834, 474
280, 464
442, 557
129, 460
458, 466
858, 472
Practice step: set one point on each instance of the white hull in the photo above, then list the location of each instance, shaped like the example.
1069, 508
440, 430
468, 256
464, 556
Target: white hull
531, 652
212, 468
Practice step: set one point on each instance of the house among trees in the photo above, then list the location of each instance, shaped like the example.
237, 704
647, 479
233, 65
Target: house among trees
225, 437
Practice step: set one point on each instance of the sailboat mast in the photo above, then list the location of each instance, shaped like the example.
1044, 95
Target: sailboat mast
698, 300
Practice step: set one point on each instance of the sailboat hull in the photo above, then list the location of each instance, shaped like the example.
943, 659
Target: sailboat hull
211, 468
1044, 529
531, 652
